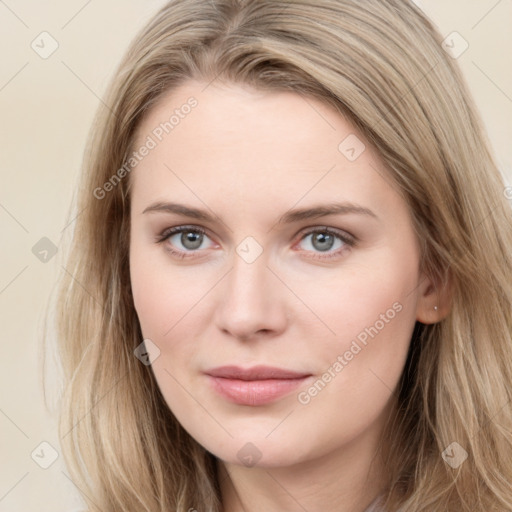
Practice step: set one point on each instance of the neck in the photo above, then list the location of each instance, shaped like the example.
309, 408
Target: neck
351, 477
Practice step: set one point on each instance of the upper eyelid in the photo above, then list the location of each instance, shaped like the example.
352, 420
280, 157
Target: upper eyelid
176, 230
306, 231
320, 228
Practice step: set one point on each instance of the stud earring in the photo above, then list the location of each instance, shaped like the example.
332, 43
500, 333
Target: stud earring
435, 308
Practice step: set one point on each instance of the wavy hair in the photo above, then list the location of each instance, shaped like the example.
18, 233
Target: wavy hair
382, 65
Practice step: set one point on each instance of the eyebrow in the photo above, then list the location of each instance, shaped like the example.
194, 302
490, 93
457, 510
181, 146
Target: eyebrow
289, 217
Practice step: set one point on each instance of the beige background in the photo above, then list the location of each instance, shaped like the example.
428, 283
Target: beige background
46, 109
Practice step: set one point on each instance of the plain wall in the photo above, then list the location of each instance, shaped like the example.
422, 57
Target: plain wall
47, 106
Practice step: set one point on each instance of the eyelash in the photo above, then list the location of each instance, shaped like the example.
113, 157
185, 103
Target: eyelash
349, 240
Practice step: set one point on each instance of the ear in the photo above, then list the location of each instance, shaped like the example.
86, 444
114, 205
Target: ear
434, 299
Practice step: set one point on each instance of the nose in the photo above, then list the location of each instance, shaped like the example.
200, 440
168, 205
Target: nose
252, 301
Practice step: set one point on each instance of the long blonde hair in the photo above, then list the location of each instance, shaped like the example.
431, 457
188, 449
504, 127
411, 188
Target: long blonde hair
381, 64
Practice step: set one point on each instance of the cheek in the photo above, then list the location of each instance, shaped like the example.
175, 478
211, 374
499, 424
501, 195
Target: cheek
162, 294
372, 312
164, 300
154, 317
369, 309
150, 294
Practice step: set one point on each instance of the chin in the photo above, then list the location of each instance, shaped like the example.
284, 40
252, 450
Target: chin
259, 451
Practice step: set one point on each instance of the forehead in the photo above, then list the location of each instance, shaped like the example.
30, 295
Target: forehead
223, 113
246, 142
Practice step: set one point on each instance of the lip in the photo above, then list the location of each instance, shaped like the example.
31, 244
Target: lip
254, 386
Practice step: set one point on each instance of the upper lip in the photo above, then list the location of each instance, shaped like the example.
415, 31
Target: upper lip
255, 373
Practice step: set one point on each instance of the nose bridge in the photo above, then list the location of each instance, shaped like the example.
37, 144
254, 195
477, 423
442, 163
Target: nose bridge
250, 301
248, 282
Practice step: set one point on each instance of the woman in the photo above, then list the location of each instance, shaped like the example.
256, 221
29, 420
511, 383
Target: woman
290, 282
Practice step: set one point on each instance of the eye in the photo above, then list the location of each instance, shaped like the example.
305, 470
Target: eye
324, 240
186, 238
184, 241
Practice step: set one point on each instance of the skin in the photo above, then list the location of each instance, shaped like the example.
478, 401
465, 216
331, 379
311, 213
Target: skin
249, 157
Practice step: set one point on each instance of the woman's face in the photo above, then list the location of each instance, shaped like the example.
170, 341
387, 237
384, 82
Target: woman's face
296, 253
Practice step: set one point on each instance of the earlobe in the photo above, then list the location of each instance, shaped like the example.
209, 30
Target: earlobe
434, 302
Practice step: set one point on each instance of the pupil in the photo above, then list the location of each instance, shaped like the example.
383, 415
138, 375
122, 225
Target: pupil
191, 240
324, 240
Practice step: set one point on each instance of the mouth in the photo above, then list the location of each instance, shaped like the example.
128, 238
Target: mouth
254, 386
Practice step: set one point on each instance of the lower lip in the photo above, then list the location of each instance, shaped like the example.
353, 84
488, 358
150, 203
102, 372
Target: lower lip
254, 392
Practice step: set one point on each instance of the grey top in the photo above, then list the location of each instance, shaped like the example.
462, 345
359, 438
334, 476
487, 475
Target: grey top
375, 506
